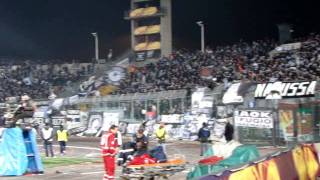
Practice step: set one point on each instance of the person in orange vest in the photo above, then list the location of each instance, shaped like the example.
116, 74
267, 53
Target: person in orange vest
109, 147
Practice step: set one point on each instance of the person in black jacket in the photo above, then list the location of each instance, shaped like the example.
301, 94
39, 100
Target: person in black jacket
203, 136
140, 137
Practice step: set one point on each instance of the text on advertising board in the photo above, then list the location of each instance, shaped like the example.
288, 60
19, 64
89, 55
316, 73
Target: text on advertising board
253, 118
286, 89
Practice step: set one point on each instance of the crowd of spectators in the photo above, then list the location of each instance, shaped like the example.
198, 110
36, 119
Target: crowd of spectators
28, 77
257, 61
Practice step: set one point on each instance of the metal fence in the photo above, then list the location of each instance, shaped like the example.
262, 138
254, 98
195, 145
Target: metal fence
165, 102
294, 120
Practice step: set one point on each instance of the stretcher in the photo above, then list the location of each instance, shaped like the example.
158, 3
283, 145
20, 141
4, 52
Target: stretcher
157, 170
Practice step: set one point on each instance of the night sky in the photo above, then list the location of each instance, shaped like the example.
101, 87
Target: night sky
49, 29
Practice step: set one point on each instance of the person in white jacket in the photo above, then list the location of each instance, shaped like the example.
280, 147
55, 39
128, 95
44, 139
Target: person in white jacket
47, 137
225, 149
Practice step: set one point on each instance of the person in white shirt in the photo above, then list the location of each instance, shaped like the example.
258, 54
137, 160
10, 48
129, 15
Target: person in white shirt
47, 137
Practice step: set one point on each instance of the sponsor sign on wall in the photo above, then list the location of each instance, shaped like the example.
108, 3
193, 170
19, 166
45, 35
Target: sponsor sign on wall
58, 120
286, 89
253, 118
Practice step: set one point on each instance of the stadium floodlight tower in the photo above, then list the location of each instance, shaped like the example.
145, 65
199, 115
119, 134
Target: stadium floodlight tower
151, 28
96, 42
200, 23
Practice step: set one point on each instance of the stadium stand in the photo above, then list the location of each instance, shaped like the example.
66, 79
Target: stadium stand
38, 80
258, 61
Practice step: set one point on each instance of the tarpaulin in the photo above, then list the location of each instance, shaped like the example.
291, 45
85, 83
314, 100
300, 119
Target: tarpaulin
210, 160
249, 173
299, 162
286, 167
241, 154
268, 170
13, 154
311, 161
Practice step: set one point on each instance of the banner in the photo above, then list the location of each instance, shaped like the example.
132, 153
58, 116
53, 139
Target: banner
116, 74
109, 119
106, 90
231, 96
133, 128
171, 119
73, 99
253, 118
286, 89
288, 47
202, 101
286, 123
305, 124
95, 122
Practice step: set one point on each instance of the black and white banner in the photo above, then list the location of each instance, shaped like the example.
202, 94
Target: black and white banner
95, 122
231, 96
115, 75
285, 89
253, 118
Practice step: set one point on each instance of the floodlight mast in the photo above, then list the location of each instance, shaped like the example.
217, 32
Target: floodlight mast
200, 23
96, 41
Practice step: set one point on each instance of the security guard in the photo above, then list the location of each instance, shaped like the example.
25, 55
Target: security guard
62, 138
161, 135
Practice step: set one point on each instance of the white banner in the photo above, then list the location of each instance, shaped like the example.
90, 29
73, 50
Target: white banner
173, 118
109, 119
73, 112
133, 128
289, 47
231, 96
202, 101
253, 118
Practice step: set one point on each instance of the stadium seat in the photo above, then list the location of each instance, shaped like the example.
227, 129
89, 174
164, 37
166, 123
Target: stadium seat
153, 29
149, 11
141, 46
153, 45
137, 12
140, 30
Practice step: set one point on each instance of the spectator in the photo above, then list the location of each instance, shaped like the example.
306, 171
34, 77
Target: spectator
47, 137
203, 136
140, 137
